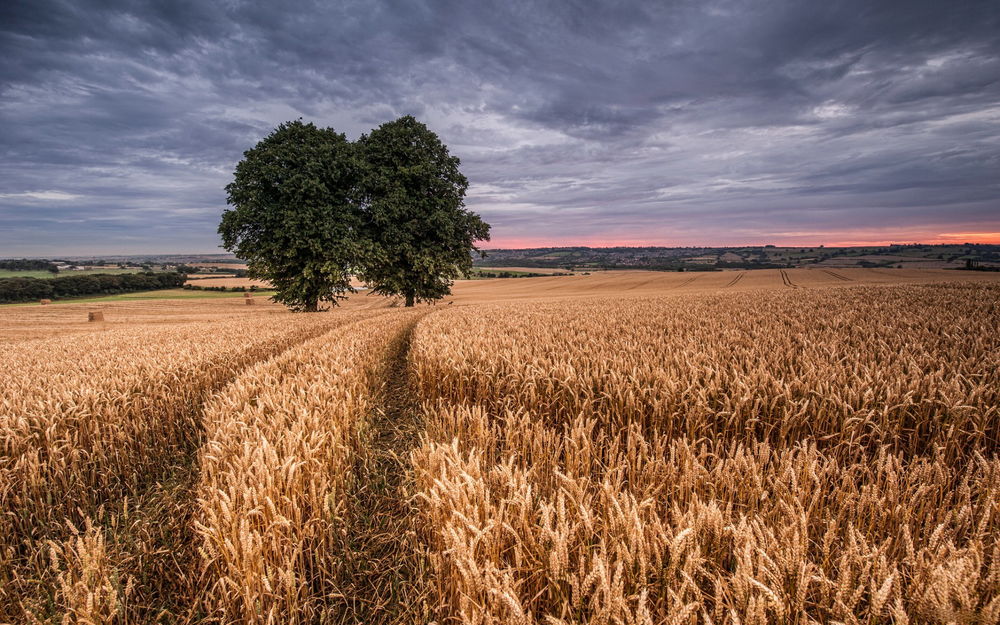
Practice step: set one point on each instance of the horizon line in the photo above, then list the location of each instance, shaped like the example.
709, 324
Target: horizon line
608, 245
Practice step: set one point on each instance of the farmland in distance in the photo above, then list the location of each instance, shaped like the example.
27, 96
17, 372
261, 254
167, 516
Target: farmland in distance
769, 446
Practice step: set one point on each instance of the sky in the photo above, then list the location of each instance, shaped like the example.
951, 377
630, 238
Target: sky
678, 123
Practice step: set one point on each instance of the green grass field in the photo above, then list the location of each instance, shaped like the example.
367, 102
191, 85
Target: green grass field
150, 295
167, 294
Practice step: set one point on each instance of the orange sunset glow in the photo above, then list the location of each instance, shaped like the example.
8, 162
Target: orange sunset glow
812, 240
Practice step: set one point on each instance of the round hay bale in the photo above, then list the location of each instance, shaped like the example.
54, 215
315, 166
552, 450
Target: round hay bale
45, 301
249, 301
95, 315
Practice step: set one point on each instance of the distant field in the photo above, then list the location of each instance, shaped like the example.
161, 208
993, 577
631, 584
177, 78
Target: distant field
162, 294
4, 273
221, 265
615, 283
227, 282
907, 262
519, 271
169, 294
634, 283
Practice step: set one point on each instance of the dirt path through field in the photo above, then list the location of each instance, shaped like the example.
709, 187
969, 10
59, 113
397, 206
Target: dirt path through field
382, 558
153, 542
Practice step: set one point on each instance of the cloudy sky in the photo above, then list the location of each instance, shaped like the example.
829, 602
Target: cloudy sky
596, 123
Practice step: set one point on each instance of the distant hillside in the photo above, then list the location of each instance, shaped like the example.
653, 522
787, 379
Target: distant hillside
762, 257
915, 256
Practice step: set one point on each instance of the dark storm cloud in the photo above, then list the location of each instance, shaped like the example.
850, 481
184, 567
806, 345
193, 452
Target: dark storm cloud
672, 122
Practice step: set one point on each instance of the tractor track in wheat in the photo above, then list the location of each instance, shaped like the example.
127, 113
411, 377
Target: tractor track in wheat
788, 281
735, 280
838, 275
383, 563
687, 282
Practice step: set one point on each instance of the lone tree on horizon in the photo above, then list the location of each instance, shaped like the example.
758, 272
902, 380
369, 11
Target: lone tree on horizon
311, 210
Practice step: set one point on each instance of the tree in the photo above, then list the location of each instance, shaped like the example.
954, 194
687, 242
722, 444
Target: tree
418, 235
293, 218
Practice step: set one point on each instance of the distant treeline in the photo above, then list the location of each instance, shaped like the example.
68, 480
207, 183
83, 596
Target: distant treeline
26, 264
981, 268
516, 274
221, 289
205, 274
973, 265
667, 267
30, 289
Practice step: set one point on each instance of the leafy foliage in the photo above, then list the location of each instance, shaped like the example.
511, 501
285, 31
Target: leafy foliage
293, 219
312, 209
28, 264
419, 236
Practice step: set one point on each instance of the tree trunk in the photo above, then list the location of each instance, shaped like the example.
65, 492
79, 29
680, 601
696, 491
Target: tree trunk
409, 298
312, 305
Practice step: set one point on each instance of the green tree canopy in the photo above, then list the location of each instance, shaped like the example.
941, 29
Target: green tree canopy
310, 209
418, 235
293, 218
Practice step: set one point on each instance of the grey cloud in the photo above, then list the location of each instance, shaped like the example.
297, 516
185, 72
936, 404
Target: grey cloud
687, 119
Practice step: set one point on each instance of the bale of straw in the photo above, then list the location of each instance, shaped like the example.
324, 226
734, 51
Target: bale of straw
249, 301
95, 315
45, 301
247, 295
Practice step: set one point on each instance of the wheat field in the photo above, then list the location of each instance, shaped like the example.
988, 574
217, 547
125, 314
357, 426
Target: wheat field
716, 459
631, 447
